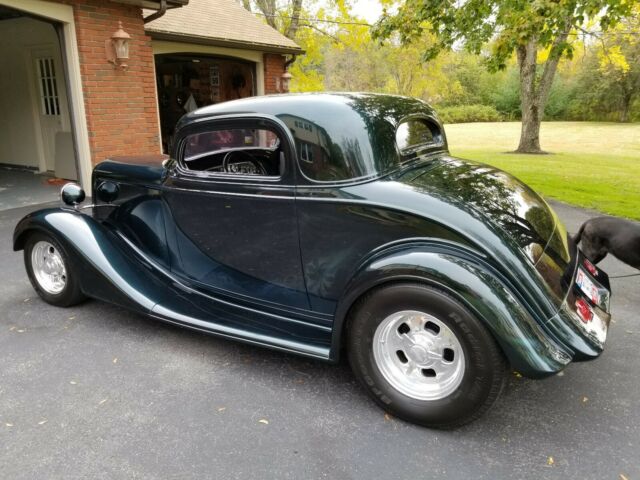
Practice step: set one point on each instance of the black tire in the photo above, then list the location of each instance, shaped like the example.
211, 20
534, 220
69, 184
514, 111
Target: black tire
71, 294
484, 371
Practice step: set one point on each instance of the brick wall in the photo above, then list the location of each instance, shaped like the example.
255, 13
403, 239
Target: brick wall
121, 105
273, 67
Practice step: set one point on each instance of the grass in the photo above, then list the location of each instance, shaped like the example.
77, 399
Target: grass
592, 165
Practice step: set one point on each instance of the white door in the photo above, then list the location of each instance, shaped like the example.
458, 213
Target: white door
53, 114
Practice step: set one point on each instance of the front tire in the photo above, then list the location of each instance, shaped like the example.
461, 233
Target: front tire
423, 356
50, 272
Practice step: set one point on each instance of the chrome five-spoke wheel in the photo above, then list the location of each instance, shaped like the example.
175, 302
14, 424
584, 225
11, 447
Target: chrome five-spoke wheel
418, 355
50, 272
48, 267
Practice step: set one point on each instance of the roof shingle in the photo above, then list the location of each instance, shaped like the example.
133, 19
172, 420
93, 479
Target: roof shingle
219, 22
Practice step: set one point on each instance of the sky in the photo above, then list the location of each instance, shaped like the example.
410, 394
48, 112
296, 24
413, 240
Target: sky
370, 10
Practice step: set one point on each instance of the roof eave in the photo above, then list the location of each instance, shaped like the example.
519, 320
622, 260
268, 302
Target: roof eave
152, 4
221, 42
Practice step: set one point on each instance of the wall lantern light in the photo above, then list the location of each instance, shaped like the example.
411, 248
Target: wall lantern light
282, 82
117, 47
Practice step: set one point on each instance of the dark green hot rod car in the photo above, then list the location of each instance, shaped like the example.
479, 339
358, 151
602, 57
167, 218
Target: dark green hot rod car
331, 224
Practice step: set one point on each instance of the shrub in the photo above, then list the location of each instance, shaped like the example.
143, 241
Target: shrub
469, 114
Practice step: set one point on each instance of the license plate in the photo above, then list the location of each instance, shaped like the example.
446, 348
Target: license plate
596, 294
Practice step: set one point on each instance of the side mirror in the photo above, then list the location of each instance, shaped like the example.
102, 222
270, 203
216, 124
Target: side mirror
72, 194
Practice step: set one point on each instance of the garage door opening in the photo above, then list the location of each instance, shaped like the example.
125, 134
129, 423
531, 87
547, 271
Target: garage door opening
189, 81
35, 125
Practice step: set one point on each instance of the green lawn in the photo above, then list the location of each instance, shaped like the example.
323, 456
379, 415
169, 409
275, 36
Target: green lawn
593, 165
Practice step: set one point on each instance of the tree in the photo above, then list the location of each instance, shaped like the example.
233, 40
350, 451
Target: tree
283, 17
619, 57
537, 31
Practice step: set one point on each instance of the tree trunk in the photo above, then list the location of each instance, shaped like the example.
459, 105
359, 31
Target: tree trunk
292, 29
530, 133
534, 94
268, 9
531, 118
626, 108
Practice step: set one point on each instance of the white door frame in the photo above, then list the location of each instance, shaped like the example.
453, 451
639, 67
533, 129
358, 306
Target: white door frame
64, 15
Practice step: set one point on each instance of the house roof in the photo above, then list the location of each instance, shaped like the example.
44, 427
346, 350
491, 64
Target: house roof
152, 3
222, 23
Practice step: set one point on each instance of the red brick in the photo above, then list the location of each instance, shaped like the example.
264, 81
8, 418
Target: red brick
115, 100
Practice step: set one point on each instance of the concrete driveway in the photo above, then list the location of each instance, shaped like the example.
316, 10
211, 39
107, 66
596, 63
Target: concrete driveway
97, 392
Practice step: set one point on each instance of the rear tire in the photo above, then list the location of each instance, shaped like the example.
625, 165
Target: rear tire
423, 356
50, 272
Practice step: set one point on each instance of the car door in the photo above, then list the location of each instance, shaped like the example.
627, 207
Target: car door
233, 227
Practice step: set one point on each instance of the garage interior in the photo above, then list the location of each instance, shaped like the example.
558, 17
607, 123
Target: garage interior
188, 81
36, 141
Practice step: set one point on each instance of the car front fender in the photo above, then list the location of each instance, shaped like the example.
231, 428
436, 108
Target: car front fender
107, 269
528, 347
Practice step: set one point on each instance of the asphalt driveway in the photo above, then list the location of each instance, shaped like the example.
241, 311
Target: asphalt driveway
97, 392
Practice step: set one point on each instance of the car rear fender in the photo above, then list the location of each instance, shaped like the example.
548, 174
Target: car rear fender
108, 270
529, 349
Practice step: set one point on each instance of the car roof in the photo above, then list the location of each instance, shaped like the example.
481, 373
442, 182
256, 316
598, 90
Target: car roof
355, 130
319, 108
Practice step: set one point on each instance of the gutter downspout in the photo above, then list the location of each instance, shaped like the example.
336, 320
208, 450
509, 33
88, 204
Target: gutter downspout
289, 62
161, 11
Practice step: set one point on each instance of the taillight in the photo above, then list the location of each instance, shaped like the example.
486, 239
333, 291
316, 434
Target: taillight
591, 268
584, 310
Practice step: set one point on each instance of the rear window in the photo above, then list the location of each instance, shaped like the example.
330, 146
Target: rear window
417, 133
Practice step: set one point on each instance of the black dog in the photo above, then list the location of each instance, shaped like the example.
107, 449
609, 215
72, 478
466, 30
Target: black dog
602, 235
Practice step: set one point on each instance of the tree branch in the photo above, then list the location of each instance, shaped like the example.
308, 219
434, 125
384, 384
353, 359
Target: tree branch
333, 37
551, 66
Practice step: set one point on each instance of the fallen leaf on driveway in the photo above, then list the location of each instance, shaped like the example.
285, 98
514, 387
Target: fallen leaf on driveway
387, 417
115, 360
102, 401
42, 422
25, 300
12, 328
262, 420
73, 382
9, 424
550, 461
623, 477
72, 318
585, 399
21, 330
222, 409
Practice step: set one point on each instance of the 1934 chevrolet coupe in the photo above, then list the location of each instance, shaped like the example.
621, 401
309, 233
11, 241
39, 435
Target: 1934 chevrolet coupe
324, 224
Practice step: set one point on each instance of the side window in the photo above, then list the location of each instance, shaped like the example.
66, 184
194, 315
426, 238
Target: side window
235, 151
417, 133
318, 157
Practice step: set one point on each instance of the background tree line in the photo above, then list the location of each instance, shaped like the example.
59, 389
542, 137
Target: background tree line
475, 75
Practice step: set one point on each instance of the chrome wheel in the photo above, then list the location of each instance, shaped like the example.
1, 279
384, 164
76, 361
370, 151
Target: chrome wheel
418, 355
48, 267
